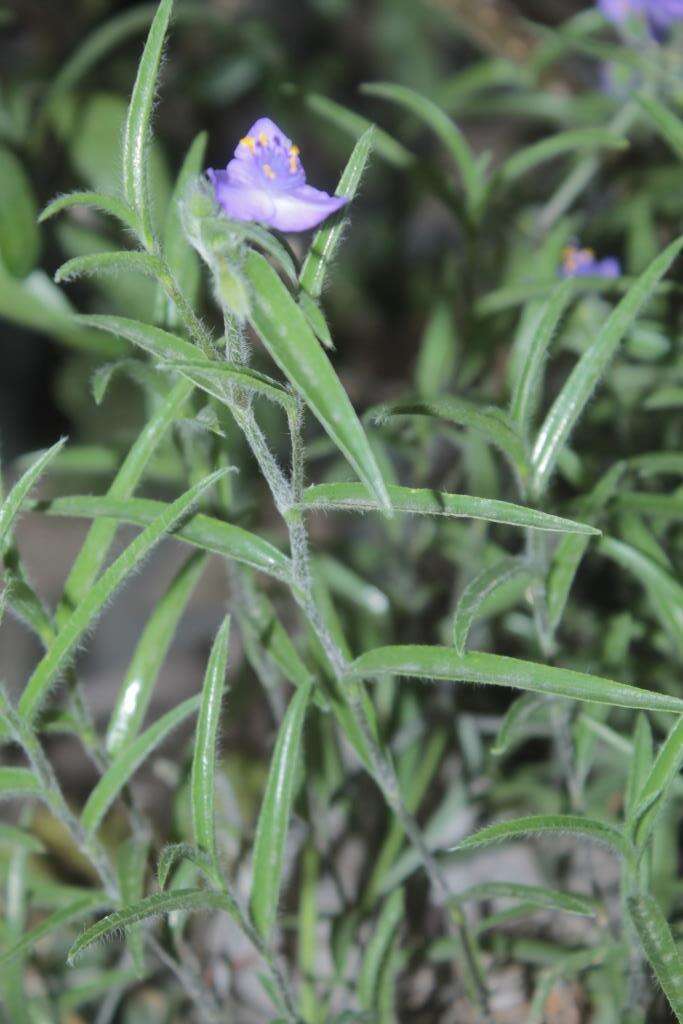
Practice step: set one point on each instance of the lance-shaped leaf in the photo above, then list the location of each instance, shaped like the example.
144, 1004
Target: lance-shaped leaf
16, 497
18, 782
189, 900
525, 394
79, 908
540, 824
178, 253
665, 121
273, 822
656, 785
174, 852
491, 423
476, 592
425, 662
582, 381
389, 921
665, 592
18, 837
537, 895
178, 354
90, 559
572, 141
443, 127
111, 205
85, 613
136, 691
660, 948
202, 782
127, 762
511, 728
422, 501
136, 134
200, 530
115, 262
327, 238
285, 332
19, 236
131, 865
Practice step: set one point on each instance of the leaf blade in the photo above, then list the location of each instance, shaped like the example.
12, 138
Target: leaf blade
202, 778
273, 822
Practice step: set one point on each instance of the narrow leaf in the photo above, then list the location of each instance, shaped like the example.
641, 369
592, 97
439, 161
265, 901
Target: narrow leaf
442, 125
199, 530
572, 141
572, 400
660, 949
189, 900
11, 506
112, 205
110, 263
137, 130
75, 911
656, 786
525, 394
290, 341
538, 824
204, 759
127, 762
420, 500
326, 240
665, 121
273, 822
493, 669
476, 592
85, 613
538, 895
136, 691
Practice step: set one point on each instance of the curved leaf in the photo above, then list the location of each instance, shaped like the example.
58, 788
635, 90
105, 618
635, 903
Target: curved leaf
325, 241
420, 500
660, 949
290, 341
190, 900
273, 822
127, 762
494, 669
199, 530
112, 205
11, 506
152, 647
476, 592
572, 399
538, 895
79, 908
202, 781
572, 141
87, 610
137, 130
538, 824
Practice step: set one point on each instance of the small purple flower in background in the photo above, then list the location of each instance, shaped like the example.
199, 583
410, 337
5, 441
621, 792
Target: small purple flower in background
266, 182
660, 14
582, 263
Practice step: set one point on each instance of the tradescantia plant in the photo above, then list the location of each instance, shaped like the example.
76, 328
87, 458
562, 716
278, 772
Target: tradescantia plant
365, 865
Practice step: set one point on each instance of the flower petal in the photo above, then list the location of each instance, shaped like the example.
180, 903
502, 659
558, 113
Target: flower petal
301, 208
243, 202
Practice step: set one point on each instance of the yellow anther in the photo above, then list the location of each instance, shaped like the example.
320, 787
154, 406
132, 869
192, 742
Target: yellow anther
248, 142
269, 172
263, 138
294, 150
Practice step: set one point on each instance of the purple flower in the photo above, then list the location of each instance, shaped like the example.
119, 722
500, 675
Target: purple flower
266, 182
660, 14
582, 263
